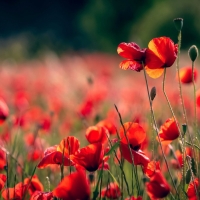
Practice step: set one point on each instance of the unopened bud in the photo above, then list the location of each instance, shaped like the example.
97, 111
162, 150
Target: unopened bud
193, 52
178, 22
153, 93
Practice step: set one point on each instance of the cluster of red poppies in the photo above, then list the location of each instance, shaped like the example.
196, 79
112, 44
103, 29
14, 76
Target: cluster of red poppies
47, 136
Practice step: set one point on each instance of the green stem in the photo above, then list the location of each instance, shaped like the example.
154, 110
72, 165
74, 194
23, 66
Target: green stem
192, 145
135, 173
155, 124
181, 136
195, 105
121, 167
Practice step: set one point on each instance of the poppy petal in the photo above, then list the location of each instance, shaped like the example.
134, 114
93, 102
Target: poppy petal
130, 51
74, 186
134, 132
70, 145
139, 158
157, 187
54, 158
169, 131
131, 64
90, 157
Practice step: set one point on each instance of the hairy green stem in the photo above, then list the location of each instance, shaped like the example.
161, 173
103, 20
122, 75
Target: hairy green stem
155, 124
135, 172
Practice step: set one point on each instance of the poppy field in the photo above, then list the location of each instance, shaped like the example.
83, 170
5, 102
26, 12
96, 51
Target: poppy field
99, 126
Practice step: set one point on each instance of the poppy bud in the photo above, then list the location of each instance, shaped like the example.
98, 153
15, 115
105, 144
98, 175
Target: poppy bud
193, 53
153, 93
178, 22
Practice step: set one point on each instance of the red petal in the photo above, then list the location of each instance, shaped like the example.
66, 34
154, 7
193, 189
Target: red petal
96, 134
42, 196
130, 51
157, 187
108, 125
70, 145
191, 189
139, 158
150, 169
112, 191
90, 157
198, 98
169, 131
134, 132
161, 53
131, 64
54, 158
186, 75
74, 186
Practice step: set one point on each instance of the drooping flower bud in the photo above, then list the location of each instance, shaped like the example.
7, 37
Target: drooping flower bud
153, 93
193, 53
178, 22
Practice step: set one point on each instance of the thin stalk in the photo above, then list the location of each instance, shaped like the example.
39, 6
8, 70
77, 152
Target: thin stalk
135, 173
62, 165
195, 105
171, 109
69, 152
7, 175
101, 181
121, 164
155, 124
184, 110
179, 80
193, 144
114, 179
121, 167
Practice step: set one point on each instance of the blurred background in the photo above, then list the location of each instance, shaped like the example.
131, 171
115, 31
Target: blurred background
30, 29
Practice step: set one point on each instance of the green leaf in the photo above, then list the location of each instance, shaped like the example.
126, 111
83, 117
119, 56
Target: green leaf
114, 147
188, 176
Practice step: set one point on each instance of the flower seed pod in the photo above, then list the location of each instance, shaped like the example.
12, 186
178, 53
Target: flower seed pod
178, 22
193, 53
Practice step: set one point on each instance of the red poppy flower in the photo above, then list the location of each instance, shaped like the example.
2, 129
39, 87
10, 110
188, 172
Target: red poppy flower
33, 184
74, 186
161, 53
169, 131
191, 192
96, 134
2, 181
86, 108
139, 158
178, 162
38, 195
4, 111
112, 191
135, 134
69, 145
198, 98
157, 187
150, 169
108, 124
133, 53
17, 193
54, 155
186, 75
89, 157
